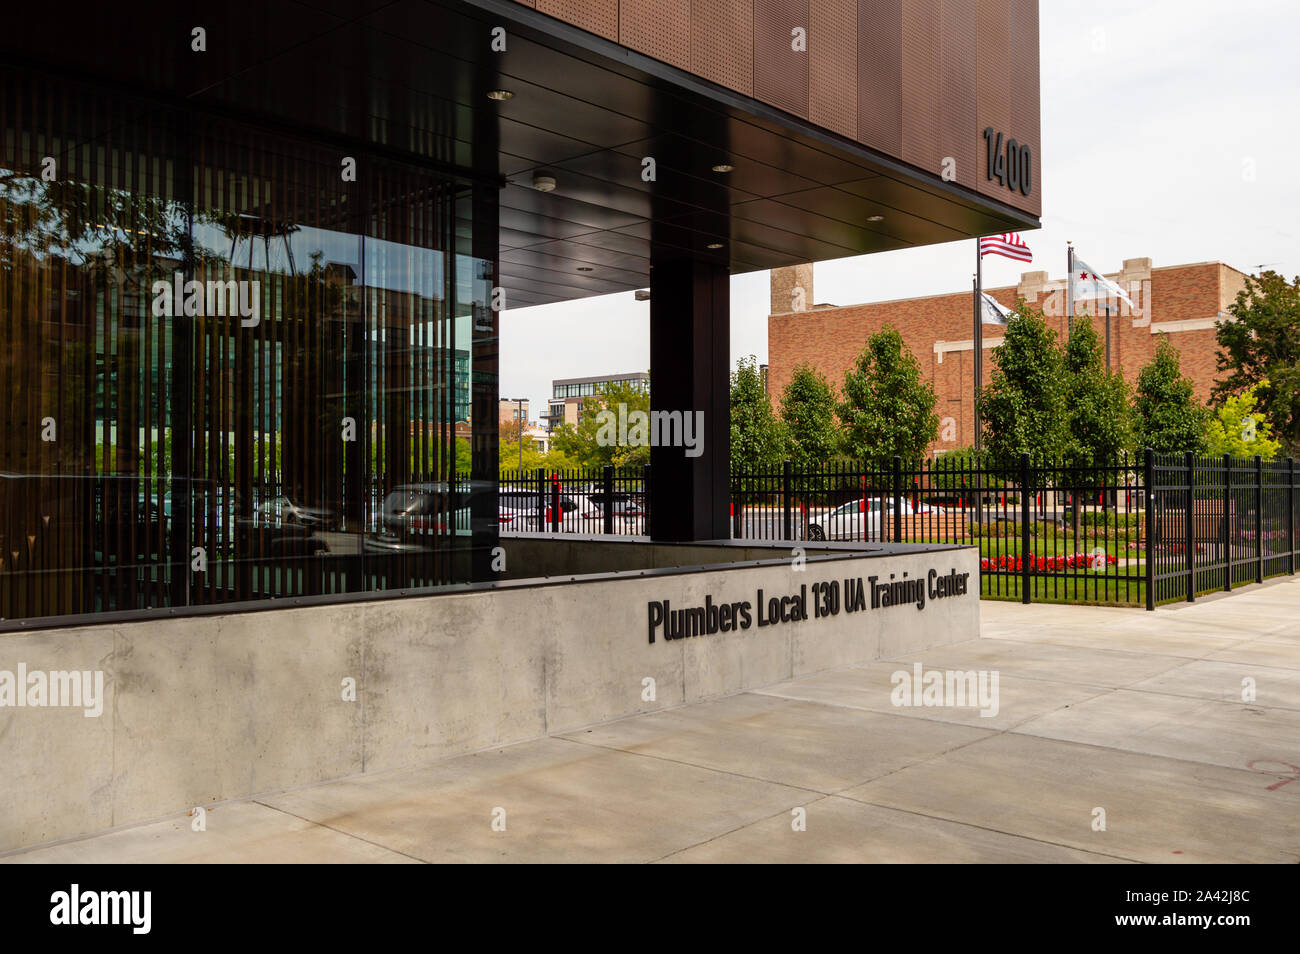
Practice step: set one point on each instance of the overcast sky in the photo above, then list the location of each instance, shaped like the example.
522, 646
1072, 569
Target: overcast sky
1171, 129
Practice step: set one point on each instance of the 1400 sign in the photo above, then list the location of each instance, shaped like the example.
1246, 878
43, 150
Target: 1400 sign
1012, 164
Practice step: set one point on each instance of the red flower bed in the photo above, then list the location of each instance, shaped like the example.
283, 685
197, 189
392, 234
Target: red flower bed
1014, 564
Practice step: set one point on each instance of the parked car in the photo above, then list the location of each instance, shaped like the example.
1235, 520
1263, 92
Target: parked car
629, 517
281, 510
522, 507
413, 517
856, 520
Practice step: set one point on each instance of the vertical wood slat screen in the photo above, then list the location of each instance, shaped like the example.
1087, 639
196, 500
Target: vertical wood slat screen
107, 516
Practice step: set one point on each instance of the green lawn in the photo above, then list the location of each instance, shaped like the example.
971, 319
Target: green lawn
1045, 546
1095, 589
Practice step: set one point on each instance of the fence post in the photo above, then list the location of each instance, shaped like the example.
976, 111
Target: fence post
1149, 478
1026, 567
1227, 522
1259, 519
555, 502
609, 498
1189, 459
787, 523
645, 500
1290, 512
541, 499
898, 499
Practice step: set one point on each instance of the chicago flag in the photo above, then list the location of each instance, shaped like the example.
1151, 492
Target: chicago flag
1086, 282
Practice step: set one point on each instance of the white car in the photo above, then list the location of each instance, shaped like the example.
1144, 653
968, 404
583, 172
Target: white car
857, 520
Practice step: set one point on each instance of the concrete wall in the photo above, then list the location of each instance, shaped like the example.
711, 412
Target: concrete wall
210, 708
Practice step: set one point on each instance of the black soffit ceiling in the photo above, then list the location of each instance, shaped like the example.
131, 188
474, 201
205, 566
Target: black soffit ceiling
585, 112
410, 78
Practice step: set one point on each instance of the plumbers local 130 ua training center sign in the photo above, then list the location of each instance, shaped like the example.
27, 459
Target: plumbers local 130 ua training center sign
825, 599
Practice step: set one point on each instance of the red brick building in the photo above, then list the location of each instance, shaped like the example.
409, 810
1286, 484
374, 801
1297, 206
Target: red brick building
1179, 301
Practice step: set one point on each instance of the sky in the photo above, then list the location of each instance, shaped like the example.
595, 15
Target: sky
1170, 130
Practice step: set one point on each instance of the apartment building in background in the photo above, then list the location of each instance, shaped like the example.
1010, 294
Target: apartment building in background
567, 394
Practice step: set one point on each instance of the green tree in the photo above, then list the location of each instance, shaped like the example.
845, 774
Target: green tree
886, 408
808, 412
758, 438
1238, 428
1023, 409
586, 444
1097, 402
1168, 417
1262, 348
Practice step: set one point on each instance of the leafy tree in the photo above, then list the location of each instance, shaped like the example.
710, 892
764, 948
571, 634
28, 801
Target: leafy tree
758, 438
584, 445
808, 412
887, 408
1238, 428
1023, 409
1262, 348
1168, 416
1097, 401
508, 459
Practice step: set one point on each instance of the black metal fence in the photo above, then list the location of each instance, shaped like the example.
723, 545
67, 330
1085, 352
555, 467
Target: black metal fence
580, 500
1131, 531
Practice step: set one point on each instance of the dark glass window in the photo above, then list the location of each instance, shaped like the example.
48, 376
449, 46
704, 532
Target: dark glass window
224, 361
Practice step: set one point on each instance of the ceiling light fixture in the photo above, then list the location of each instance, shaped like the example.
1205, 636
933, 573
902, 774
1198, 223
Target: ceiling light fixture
500, 95
875, 218
723, 167
714, 245
544, 183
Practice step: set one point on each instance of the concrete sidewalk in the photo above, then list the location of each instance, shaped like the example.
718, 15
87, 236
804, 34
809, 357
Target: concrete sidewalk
1138, 714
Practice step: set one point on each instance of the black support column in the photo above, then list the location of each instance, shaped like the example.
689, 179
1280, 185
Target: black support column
690, 362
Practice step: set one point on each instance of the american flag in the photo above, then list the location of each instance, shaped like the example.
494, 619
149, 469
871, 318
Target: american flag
1008, 245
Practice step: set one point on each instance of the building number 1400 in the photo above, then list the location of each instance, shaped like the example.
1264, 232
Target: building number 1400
1012, 165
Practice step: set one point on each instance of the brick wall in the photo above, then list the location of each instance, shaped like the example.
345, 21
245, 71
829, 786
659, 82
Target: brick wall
938, 330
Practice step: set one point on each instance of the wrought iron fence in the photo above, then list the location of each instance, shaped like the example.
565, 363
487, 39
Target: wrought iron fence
1130, 531
578, 500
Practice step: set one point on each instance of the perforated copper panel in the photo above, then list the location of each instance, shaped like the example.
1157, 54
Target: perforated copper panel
918, 80
781, 70
833, 65
722, 43
880, 81
921, 22
959, 136
1025, 116
594, 16
993, 86
658, 28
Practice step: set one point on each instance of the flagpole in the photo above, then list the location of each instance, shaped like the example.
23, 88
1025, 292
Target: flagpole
1069, 290
977, 365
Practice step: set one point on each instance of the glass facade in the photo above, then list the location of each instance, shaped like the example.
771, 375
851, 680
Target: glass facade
235, 362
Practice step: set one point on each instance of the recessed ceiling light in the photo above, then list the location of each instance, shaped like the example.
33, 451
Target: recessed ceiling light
500, 95
723, 167
875, 218
584, 268
714, 245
